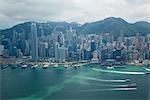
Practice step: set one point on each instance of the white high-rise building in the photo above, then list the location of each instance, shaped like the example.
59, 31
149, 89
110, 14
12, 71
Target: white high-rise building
60, 53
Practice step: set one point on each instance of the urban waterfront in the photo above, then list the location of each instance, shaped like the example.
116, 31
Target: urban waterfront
83, 83
74, 50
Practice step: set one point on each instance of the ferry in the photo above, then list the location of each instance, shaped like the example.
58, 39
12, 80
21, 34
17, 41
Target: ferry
133, 85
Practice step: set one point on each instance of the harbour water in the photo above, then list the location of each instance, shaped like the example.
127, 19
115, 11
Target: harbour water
83, 83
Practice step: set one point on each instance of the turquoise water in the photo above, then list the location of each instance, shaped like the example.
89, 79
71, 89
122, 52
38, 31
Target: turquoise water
83, 83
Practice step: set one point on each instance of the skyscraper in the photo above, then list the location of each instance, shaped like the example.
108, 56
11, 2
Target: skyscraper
93, 46
43, 46
57, 51
34, 42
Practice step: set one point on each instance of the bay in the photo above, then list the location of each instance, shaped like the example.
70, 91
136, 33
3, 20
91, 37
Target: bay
74, 84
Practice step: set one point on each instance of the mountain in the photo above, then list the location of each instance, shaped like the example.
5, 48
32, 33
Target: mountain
115, 26
47, 27
112, 25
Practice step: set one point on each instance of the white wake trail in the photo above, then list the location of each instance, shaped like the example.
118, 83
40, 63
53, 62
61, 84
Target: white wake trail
119, 72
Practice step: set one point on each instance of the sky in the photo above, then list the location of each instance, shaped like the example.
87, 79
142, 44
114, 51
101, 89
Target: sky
13, 12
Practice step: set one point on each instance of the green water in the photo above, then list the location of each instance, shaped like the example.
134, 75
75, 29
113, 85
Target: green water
73, 84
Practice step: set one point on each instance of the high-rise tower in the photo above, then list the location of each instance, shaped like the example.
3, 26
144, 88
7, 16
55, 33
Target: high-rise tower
34, 42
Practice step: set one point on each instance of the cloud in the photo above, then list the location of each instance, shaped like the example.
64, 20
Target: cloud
16, 11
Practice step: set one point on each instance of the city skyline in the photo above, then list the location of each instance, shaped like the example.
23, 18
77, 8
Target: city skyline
71, 11
74, 49
70, 46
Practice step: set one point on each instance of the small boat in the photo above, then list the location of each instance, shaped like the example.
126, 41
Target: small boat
56, 65
46, 66
76, 67
110, 67
24, 66
66, 65
128, 80
4, 66
34, 66
134, 85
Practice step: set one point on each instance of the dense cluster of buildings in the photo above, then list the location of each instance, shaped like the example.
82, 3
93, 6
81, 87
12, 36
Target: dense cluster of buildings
70, 46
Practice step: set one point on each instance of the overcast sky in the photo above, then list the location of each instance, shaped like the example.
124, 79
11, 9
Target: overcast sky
16, 11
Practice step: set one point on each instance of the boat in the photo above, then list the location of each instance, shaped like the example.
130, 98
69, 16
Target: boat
56, 65
75, 66
24, 66
46, 66
110, 67
4, 66
34, 66
66, 65
133, 85
128, 80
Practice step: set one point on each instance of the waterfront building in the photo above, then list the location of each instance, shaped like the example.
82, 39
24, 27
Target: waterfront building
62, 54
95, 58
